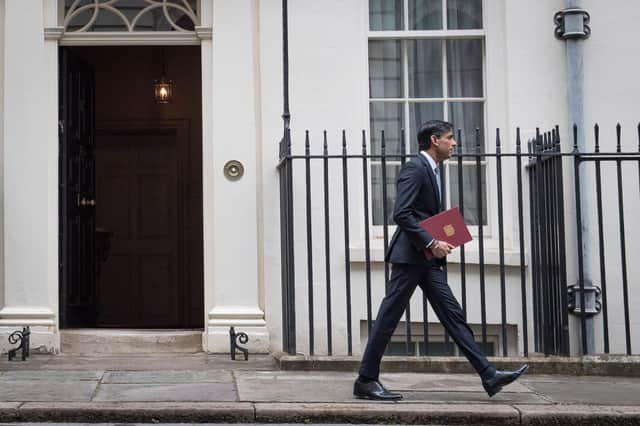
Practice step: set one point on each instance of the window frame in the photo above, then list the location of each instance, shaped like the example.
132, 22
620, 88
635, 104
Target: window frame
443, 35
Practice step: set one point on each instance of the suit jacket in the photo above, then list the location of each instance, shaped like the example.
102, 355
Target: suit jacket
416, 199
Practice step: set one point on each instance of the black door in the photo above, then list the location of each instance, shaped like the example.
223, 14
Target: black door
77, 192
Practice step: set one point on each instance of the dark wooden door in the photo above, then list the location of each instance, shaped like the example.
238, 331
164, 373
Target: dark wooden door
77, 192
138, 195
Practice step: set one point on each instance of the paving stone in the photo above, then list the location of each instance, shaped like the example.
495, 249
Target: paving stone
168, 376
600, 393
294, 386
38, 390
440, 382
137, 362
192, 392
52, 375
475, 397
577, 379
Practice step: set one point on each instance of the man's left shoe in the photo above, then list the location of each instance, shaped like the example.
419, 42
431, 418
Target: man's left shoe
494, 384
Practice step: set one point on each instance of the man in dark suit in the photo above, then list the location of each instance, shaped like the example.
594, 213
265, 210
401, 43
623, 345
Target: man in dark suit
419, 197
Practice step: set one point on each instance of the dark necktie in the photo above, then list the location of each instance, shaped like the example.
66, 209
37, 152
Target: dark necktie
438, 183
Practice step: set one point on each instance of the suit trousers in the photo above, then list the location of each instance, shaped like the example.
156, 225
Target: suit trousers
404, 280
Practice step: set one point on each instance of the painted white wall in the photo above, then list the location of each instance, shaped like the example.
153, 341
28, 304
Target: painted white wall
612, 91
526, 86
232, 256
2, 83
270, 107
329, 90
30, 143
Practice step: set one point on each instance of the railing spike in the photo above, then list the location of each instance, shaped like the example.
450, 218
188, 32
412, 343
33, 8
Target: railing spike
364, 142
325, 149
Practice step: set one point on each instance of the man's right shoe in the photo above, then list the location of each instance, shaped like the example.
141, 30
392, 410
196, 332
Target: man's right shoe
494, 384
373, 390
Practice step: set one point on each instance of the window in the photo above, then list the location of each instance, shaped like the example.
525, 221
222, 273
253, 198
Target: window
426, 61
130, 15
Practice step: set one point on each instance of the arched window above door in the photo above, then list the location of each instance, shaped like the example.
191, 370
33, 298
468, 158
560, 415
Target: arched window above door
82, 16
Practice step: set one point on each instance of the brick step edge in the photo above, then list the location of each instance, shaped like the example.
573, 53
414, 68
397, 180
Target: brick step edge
375, 413
604, 365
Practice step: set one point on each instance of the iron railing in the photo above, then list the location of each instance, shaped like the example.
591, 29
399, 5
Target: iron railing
539, 250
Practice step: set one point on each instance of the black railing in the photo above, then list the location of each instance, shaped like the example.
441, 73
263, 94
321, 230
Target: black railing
519, 257
548, 248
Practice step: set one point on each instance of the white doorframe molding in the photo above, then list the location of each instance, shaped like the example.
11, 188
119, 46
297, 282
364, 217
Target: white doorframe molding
44, 319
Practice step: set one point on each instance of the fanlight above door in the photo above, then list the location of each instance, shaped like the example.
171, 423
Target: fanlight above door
130, 15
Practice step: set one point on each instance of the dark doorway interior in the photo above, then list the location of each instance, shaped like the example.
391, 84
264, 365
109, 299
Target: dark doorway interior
131, 189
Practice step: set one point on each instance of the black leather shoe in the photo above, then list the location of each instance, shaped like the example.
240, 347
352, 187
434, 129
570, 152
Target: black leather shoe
494, 384
373, 390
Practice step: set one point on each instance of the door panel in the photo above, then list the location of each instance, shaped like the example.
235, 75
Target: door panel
137, 200
77, 192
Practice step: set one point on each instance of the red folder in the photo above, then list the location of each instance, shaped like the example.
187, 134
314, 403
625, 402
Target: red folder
446, 226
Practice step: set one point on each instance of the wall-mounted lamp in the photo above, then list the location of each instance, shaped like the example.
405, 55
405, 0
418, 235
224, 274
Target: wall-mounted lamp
162, 88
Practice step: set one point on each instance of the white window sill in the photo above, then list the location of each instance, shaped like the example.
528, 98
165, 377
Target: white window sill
472, 255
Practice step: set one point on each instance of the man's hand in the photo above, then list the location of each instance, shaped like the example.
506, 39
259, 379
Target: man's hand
441, 248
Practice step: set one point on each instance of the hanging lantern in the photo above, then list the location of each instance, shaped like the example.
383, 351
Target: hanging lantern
162, 88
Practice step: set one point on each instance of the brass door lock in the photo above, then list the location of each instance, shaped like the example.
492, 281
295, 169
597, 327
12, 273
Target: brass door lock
86, 202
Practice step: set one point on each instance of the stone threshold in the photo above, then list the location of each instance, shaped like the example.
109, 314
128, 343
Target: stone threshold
601, 365
129, 341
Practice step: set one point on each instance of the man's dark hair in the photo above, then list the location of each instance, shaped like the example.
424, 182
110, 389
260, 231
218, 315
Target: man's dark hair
432, 127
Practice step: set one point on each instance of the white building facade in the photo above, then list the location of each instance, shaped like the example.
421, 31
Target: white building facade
352, 65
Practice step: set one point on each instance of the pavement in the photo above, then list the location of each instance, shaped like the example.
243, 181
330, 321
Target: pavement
195, 388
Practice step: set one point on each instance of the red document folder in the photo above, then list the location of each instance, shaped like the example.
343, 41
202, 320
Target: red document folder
446, 226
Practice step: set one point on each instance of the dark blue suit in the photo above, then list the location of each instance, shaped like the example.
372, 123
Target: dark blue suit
417, 199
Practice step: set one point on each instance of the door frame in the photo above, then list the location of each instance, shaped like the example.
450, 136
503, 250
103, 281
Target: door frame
55, 37
183, 130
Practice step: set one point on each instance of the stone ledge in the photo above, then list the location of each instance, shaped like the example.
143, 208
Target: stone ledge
579, 415
391, 413
604, 365
363, 412
131, 412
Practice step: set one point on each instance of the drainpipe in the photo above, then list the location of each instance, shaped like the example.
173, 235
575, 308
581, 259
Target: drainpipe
572, 27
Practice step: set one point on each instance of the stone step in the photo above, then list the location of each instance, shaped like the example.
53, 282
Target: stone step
126, 341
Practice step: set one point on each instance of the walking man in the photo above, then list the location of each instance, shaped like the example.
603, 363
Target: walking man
419, 197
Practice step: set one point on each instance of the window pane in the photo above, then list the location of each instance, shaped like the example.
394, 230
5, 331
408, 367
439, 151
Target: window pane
468, 116
418, 114
464, 14
425, 14
385, 15
464, 68
387, 116
385, 69
425, 68
469, 191
376, 192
